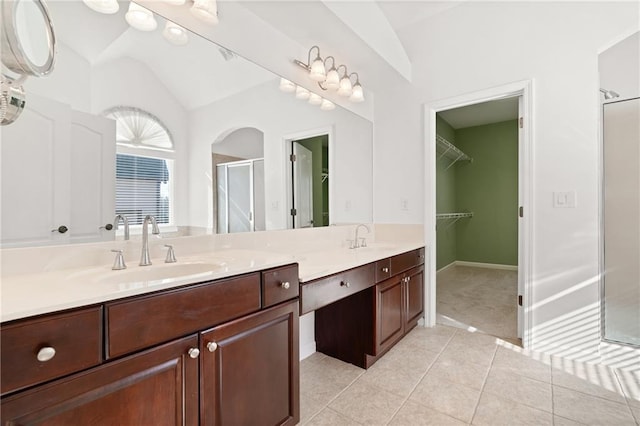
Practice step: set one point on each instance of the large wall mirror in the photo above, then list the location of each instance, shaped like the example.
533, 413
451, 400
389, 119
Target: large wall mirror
129, 112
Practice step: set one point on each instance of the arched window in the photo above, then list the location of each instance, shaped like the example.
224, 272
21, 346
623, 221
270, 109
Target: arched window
144, 165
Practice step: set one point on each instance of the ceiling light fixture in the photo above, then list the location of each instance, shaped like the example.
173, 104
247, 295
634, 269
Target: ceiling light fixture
302, 93
287, 86
315, 99
140, 18
205, 10
108, 7
175, 34
330, 78
327, 105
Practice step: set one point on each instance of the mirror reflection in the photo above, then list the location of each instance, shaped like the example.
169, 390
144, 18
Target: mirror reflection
133, 122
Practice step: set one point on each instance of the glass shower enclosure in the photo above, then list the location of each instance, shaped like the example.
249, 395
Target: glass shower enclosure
621, 221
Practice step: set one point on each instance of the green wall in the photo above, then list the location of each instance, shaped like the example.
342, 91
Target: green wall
488, 187
445, 200
319, 148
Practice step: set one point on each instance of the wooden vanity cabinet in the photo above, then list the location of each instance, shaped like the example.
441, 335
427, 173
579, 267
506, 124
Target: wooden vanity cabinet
250, 370
155, 387
359, 328
213, 353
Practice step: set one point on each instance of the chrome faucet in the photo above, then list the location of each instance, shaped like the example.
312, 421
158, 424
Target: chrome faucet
125, 221
356, 242
145, 259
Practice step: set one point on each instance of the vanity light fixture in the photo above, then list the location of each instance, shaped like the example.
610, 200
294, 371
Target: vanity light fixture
357, 94
107, 7
175, 2
205, 10
140, 18
330, 78
315, 99
345, 88
302, 93
287, 86
327, 105
175, 34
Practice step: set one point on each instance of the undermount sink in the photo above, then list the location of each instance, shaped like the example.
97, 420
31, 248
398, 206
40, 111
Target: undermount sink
161, 272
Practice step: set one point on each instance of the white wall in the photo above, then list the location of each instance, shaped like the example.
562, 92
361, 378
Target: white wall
127, 82
619, 67
244, 143
480, 45
279, 115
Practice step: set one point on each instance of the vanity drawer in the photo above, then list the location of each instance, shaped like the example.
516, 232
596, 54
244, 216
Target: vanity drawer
279, 284
148, 320
65, 343
404, 261
383, 269
324, 291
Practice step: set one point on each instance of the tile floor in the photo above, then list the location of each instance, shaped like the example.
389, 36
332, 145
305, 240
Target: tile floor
479, 297
449, 376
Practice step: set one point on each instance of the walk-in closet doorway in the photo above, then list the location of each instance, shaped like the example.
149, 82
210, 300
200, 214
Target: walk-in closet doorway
478, 151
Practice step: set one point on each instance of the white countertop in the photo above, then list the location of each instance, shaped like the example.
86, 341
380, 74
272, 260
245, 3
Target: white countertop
28, 294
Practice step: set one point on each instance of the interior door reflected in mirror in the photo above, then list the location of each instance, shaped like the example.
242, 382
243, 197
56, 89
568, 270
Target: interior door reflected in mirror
59, 161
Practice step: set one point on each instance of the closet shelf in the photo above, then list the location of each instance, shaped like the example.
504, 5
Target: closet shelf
448, 150
452, 217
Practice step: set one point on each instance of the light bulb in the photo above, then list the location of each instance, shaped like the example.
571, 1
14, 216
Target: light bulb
140, 18
302, 93
205, 10
357, 95
315, 99
175, 34
327, 105
345, 87
333, 79
175, 2
107, 7
317, 71
287, 86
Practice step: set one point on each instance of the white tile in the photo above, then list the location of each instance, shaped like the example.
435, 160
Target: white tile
493, 410
414, 414
464, 373
593, 380
449, 398
589, 409
367, 404
328, 417
520, 389
525, 363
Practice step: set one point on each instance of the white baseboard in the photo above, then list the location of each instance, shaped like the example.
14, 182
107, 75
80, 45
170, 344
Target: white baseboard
447, 267
484, 265
307, 350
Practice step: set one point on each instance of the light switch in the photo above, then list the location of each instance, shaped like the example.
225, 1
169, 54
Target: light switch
564, 200
404, 205
347, 206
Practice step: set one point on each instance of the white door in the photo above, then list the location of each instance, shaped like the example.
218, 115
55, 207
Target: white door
35, 175
521, 241
51, 193
92, 173
302, 187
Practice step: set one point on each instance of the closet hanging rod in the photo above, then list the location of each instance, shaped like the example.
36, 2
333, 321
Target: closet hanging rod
453, 217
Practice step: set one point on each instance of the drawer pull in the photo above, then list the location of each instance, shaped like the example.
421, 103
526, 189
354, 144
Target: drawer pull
194, 352
212, 346
345, 284
385, 270
46, 353
285, 285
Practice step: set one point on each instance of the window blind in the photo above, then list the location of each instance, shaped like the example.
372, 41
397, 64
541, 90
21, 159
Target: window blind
143, 187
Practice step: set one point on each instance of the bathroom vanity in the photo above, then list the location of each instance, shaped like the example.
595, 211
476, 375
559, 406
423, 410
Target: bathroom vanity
84, 346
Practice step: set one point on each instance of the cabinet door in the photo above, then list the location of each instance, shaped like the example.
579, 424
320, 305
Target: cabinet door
250, 370
155, 387
414, 296
389, 313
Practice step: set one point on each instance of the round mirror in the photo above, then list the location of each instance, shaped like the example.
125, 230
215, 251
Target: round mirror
28, 40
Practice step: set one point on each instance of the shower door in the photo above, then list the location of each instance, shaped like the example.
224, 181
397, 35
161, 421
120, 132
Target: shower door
621, 221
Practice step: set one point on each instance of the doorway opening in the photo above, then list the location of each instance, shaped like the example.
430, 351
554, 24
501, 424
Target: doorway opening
309, 192
478, 269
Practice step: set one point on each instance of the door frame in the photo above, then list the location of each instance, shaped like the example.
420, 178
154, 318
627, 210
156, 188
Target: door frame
525, 194
288, 167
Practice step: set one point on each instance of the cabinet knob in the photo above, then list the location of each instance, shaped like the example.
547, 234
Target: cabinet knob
345, 284
46, 353
212, 346
194, 352
285, 285
61, 229
408, 279
385, 270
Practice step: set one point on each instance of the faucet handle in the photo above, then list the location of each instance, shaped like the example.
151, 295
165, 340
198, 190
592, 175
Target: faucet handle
352, 244
118, 263
171, 255
363, 242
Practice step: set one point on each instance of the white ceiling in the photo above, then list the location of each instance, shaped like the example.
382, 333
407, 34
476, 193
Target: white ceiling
480, 114
193, 86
